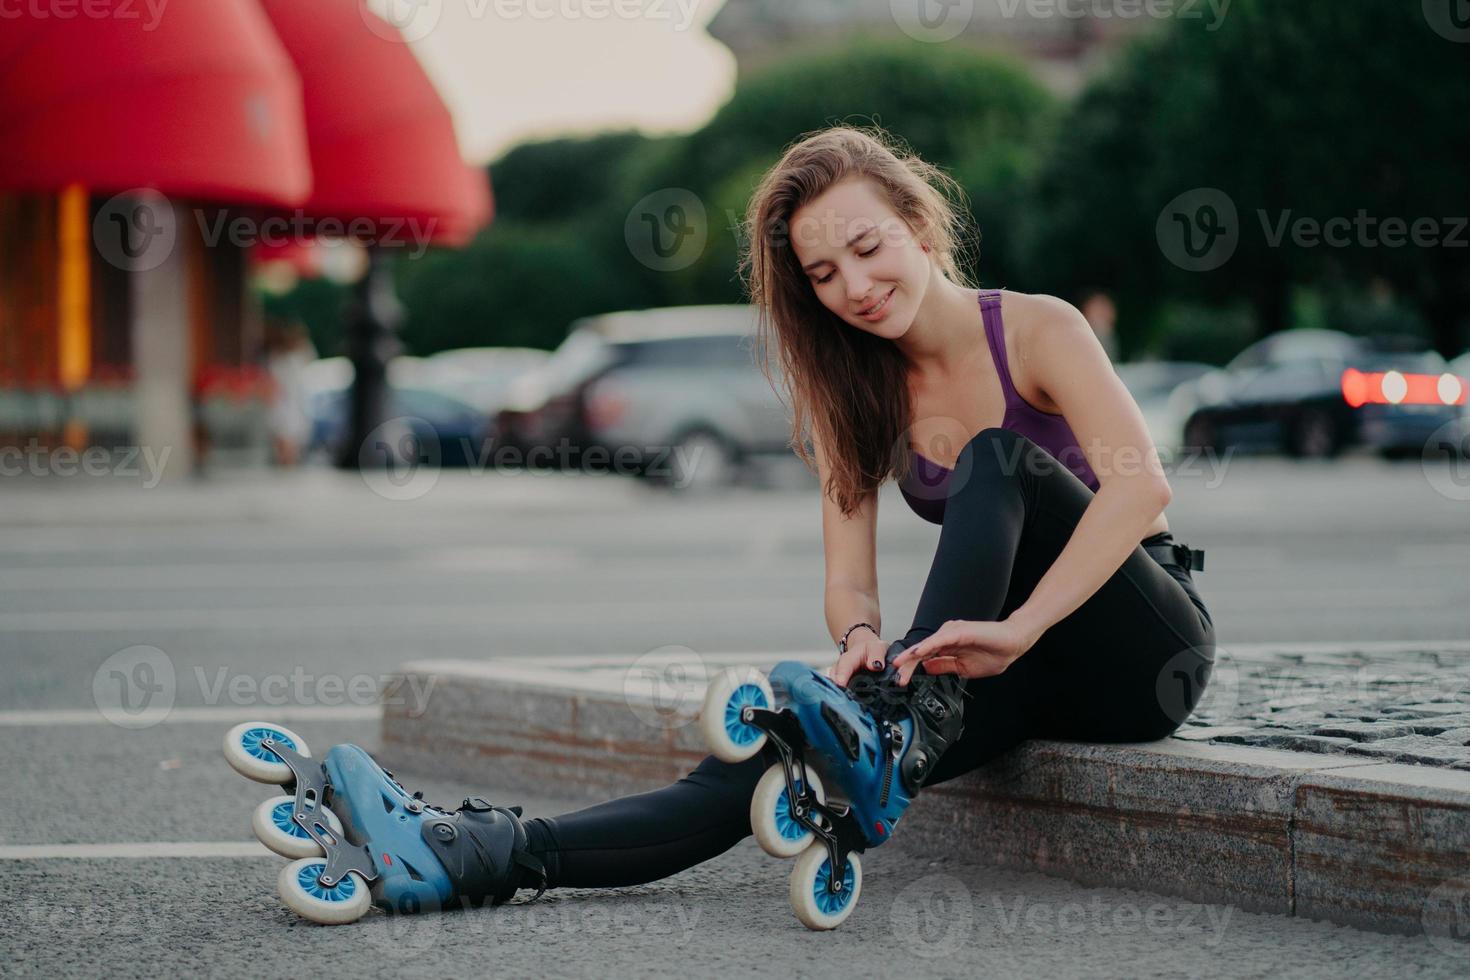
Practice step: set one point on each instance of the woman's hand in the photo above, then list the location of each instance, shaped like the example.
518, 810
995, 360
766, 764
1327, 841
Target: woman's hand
969, 648
864, 652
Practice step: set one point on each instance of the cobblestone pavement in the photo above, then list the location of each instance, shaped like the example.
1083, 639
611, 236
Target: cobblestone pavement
1406, 703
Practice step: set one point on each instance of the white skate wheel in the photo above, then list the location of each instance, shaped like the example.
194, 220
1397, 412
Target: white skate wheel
275, 829
729, 738
778, 832
813, 904
305, 895
249, 758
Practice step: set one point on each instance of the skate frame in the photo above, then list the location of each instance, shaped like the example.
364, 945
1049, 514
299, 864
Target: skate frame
843, 837
311, 786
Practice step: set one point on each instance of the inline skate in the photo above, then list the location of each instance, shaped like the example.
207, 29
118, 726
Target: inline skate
874, 742
358, 838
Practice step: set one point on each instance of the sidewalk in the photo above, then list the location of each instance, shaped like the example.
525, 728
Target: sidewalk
1331, 782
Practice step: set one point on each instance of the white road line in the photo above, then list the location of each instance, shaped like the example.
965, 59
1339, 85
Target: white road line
224, 714
488, 613
142, 849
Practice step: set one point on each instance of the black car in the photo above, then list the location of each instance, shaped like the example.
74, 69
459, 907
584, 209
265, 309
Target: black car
1313, 393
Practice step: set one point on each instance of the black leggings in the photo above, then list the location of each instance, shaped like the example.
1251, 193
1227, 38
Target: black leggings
1128, 665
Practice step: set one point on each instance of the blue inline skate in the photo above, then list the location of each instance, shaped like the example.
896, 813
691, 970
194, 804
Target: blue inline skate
874, 742
359, 839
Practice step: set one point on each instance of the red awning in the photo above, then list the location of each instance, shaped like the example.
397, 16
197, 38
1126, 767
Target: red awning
200, 101
382, 141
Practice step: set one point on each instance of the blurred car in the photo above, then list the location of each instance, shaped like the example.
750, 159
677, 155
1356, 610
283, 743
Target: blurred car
481, 376
1152, 385
448, 431
677, 378
1312, 393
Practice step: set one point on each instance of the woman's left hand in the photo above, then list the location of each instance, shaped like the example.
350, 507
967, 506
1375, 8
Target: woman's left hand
969, 648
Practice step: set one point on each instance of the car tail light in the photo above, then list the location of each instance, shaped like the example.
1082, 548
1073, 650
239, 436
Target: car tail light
1397, 388
606, 406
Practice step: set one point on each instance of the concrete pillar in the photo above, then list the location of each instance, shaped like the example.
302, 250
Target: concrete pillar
162, 355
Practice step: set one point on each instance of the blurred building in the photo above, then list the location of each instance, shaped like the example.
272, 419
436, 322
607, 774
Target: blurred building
1062, 42
147, 163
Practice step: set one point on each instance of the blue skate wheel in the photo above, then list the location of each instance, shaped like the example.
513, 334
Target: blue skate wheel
274, 828
247, 754
815, 904
301, 890
776, 828
731, 691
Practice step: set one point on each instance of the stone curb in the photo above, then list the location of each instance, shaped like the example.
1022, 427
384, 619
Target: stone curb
1374, 845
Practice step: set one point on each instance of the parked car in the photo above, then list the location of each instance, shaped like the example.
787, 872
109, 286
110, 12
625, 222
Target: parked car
1312, 393
1152, 385
654, 362
445, 427
481, 376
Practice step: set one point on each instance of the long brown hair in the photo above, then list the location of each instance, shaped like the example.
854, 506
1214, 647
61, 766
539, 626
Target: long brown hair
848, 385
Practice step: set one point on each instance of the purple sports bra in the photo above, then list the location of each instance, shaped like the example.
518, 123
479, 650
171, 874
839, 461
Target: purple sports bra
927, 485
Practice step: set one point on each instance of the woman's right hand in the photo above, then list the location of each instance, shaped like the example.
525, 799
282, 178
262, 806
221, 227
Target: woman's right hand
865, 651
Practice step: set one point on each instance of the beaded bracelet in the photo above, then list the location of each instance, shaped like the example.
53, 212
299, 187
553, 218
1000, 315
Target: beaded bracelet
842, 644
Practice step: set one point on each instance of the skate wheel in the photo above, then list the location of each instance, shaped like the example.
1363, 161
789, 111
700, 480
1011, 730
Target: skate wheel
778, 832
816, 907
249, 758
305, 895
275, 829
729, 738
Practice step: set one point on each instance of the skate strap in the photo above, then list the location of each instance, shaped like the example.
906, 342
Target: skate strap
532, 864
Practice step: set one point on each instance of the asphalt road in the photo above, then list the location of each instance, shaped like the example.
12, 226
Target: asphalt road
252, 595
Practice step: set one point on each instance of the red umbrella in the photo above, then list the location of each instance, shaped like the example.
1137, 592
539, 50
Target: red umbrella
201, 103
382, 142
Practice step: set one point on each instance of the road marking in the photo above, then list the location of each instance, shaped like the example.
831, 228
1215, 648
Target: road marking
141, 849
221, 715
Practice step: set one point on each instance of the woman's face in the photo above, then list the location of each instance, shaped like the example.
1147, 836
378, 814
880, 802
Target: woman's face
857, 253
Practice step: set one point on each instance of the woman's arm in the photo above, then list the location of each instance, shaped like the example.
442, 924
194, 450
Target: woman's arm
1064, 358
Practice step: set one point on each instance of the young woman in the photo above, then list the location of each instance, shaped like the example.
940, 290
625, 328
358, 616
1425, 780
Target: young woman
1057, 604
1056, 592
